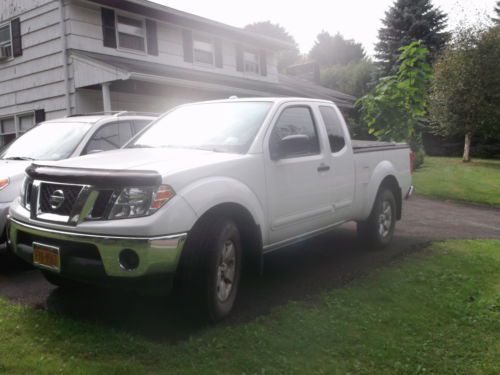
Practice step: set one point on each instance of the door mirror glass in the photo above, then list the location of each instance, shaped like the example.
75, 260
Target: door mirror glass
297, 144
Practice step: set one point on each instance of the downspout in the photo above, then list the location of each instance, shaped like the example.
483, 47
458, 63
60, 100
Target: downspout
65, 58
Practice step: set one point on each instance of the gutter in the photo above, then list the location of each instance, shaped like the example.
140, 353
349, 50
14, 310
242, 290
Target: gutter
64, 58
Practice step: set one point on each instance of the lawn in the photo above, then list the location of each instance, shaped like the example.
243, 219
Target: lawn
449, 178
436, 312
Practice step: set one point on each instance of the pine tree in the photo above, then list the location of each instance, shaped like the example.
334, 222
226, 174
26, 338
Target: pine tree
408, 21
496, 19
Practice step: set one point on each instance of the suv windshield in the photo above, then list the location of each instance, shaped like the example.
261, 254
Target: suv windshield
225, 127
47, 141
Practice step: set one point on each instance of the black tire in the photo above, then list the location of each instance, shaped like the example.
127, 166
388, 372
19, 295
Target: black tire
205, 283
59, 281
377, 231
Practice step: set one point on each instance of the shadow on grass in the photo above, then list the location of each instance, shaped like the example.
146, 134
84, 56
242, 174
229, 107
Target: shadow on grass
298, 273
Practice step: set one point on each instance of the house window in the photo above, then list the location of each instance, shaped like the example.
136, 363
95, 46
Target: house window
12, 127
5, 41
203, 51
251, 62
131, 33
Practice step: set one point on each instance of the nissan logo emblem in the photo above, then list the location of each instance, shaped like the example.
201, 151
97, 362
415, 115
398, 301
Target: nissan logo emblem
56, 200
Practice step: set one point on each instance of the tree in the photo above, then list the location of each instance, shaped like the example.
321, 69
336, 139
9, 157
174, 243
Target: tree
354, 78
465, 94
496, 19
396, 107
408, 21
335, 50
284, 58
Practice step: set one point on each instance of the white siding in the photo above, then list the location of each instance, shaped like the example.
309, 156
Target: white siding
34, 80
84, 31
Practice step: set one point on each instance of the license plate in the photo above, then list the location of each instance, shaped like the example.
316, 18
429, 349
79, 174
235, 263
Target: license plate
46, 256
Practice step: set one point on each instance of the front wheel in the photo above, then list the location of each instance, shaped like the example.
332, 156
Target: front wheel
378, 230
210, 268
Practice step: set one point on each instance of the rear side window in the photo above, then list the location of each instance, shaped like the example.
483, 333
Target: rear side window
110, 137
334, 129
140, 124
294, 133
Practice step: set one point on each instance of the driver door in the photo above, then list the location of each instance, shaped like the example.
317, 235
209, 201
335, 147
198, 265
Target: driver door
298, 175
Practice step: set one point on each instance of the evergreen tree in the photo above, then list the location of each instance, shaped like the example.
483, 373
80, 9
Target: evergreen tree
331, 50
408, 21
284, 58
496, 19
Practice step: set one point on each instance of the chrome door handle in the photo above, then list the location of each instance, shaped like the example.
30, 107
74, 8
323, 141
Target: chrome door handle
323, 167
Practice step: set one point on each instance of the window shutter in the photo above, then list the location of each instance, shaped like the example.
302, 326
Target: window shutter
239, 58
15, 26
152, 37
187, 38
263, 63
218, 53
108, 27
39, 116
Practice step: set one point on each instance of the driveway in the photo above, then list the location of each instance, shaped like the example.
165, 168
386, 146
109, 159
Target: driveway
295, 274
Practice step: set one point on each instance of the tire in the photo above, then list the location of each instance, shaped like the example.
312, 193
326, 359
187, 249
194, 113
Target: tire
210, 269
57, 280
377, 231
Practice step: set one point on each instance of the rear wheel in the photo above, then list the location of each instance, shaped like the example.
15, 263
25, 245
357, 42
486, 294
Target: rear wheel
378, 230
210, 268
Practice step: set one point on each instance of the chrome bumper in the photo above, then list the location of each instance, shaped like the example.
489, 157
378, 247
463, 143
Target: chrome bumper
157, 255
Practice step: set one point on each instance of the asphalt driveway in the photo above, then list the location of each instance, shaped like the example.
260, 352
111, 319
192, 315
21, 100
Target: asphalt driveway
297, 273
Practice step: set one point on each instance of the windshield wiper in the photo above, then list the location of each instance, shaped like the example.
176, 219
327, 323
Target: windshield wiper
139, 146
18, 158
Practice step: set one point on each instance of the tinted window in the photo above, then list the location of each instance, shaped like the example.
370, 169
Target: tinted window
294, 133
110, 137
140, 124
333, 128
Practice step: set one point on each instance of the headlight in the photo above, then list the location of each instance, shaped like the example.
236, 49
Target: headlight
140, 201
4, 182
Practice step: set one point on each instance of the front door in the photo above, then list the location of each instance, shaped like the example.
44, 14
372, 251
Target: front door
298, 175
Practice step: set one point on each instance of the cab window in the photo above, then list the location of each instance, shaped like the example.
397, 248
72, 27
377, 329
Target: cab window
110, 137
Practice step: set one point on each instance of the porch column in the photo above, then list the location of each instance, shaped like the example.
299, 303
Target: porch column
106, 96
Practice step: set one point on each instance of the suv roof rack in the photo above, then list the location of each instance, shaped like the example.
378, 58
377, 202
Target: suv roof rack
116, 114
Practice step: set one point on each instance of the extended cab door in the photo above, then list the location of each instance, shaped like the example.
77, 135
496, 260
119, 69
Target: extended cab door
298, 174
341, 160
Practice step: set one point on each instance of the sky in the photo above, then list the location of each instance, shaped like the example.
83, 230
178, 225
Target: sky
304, 19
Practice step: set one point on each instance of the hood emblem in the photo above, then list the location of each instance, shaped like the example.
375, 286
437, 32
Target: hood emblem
56, 200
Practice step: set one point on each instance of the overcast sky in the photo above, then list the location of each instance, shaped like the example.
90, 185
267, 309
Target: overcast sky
304, 19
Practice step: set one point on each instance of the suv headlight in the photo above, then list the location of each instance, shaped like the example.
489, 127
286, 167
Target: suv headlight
140, 201
4, 182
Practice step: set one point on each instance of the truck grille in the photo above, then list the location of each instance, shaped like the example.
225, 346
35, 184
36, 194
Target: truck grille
58, 199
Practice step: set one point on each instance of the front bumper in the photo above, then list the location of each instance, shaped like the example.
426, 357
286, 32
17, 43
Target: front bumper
4, 210
88, 257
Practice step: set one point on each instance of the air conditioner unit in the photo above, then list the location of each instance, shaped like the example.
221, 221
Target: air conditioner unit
4, 52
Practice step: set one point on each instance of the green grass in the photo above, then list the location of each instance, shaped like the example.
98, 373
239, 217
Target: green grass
449, 178
436, 312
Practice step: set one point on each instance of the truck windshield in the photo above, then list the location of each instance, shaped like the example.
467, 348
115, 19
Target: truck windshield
47, 141
222, 127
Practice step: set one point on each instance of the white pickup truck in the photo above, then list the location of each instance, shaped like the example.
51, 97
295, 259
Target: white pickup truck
202, 191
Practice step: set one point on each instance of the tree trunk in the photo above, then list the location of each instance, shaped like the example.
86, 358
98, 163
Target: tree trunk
466, 158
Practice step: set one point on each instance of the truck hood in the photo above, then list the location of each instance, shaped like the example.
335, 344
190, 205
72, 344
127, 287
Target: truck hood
165, 161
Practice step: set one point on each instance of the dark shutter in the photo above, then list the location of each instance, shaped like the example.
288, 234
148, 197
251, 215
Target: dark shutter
263, 63
39, 116
239, 58
218, 52
17, 48
187, 38
152, 37
108, 27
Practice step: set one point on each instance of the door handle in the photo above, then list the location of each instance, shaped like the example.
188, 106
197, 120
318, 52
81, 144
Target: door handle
323, 167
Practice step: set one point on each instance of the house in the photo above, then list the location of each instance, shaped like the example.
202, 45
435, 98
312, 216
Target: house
63, 57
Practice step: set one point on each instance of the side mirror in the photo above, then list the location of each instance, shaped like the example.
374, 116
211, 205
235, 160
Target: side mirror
297, 144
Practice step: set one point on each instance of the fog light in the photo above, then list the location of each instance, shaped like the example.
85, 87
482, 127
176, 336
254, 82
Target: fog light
129, 260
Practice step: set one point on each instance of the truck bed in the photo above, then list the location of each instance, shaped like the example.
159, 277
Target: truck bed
372, 146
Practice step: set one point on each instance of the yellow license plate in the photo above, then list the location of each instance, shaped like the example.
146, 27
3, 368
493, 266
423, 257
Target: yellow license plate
46, 256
